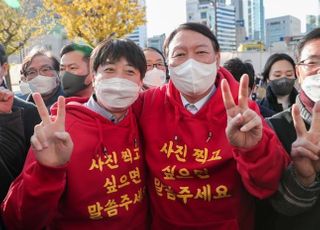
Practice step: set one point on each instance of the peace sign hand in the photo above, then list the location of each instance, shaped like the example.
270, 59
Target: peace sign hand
51, 145
244, 126
305, 150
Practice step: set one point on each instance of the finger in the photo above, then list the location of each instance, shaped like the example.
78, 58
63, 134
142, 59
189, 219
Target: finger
61, 113
8, 96
42, 109
315, 123
5, 94
234, 123
227, 97
251, 120
304, 143
298, 122
243, 91
35, 143
301, 152
40, 135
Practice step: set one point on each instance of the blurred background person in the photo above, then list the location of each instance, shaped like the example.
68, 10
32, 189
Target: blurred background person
237, 68
40, 70
75, 73
157, 70
279, 74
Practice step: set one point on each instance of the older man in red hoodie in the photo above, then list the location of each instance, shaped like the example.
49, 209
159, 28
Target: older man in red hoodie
207, 156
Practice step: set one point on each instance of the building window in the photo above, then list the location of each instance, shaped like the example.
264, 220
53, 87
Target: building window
203, 15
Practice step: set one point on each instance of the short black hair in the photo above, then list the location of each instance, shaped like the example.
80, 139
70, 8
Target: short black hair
163, 57
3, 55
114, 49
196, 27
273, 59
312, 35
86, 50
237, 68
39, 52
156, 50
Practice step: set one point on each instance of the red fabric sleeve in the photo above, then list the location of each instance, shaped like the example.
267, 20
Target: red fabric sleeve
33, 197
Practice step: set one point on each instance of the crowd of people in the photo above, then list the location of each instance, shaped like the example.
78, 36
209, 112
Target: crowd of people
119, 137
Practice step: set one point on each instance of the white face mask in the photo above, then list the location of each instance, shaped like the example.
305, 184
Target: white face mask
24, 88
43, 84
193, 77
311, 87
117, 93
154, 78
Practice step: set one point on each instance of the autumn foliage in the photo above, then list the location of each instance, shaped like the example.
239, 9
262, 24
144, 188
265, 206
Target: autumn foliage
18, 25
95, 20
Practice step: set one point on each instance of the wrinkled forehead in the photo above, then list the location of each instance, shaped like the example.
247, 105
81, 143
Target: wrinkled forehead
39, 61
311, 48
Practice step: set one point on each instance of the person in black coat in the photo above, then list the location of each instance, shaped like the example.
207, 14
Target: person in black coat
296, 205
17, 121
279, 74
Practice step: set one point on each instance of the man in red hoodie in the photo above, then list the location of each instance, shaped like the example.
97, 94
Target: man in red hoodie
85, 169
208, 151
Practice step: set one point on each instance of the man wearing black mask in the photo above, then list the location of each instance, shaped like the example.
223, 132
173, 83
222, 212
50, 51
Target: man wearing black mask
74, 70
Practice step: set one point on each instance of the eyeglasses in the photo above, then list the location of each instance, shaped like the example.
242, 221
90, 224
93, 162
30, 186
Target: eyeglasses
310, 63
157, 65
44, 70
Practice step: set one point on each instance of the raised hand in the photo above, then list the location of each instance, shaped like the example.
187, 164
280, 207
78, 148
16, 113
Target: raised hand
244, 126
51, 144
305, 150
6, 100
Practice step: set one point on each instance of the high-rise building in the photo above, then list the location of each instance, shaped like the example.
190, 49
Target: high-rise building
240, 28
218, 16
253, 13
277, 29
226, 26
202, 11
139, 35
157, 41
311, 22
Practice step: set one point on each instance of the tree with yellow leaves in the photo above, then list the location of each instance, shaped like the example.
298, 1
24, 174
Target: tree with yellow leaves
21, 22
95, 20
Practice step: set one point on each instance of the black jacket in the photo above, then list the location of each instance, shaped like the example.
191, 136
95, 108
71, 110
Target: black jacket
270, 100
16, 130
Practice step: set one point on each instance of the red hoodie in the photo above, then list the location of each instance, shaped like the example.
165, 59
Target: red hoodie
197, 179
101, 187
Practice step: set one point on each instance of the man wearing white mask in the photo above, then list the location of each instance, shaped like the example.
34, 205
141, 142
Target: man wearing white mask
298, 128
208, 152
157, 70
40, 70
86, 165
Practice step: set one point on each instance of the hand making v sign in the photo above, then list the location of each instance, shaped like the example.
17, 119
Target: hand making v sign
51, 144
244, 126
